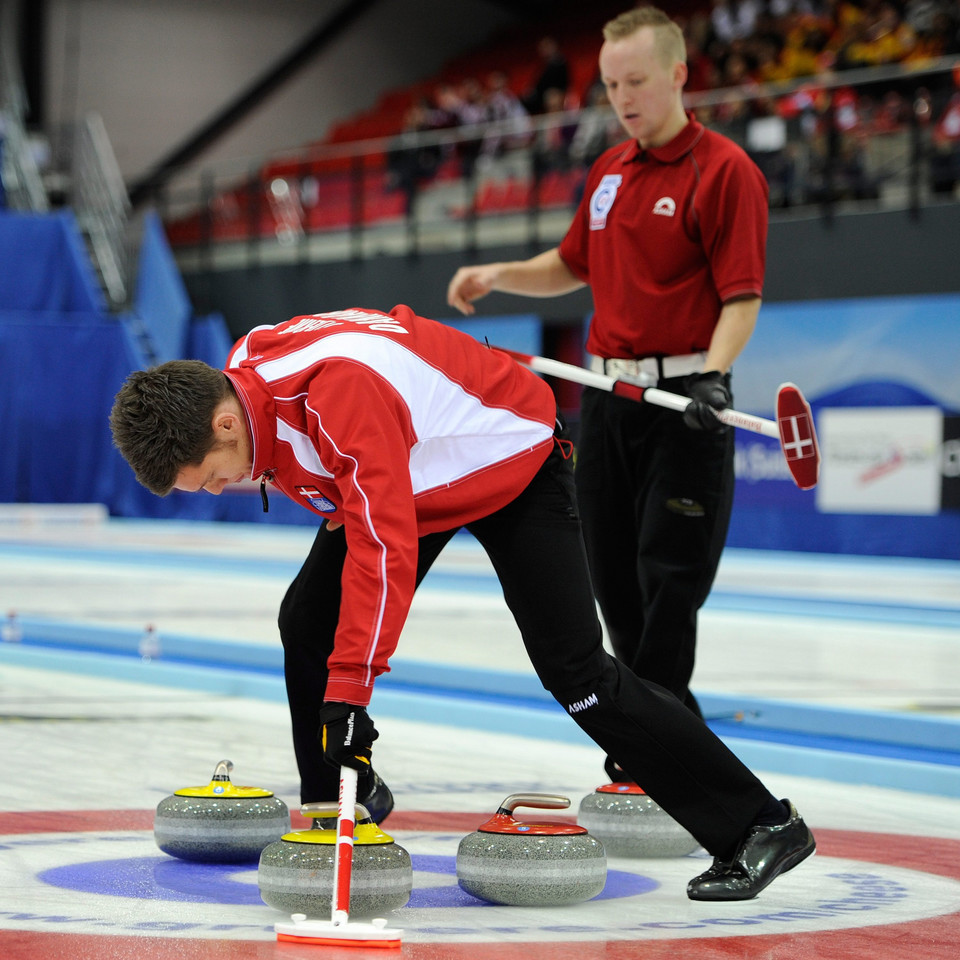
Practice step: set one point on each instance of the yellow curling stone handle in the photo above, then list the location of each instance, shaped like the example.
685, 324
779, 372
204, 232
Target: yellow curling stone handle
220, 786
365, 831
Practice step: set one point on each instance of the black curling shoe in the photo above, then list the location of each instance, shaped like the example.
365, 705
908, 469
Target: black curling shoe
764, 854
378, 800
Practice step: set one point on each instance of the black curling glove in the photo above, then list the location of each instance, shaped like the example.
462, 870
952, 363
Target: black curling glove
346, 734
709, 392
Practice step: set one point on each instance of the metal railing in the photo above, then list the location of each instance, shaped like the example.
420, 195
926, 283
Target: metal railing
102, 206
22, 183
355, 200
96, 192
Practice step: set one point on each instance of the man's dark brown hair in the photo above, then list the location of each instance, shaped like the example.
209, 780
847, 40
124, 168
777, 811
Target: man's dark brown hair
162, 419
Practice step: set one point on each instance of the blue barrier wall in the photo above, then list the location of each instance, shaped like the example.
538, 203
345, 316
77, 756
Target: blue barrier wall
44, 267
161, 300
890, 484
63, 357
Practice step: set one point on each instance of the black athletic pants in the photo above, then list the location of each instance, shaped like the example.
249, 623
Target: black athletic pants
655, 500
537, 550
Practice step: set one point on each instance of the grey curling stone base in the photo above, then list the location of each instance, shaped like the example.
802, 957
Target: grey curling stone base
219, 829
298, 878
531, 871
632, 825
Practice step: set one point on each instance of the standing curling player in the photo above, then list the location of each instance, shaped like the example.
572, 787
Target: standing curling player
399, 431
670, 236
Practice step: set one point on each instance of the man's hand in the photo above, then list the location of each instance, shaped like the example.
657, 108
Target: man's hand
469, 284
709, 392
346, 734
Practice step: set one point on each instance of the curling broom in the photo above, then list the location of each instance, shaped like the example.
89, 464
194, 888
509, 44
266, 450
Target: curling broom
793, 427
339, 931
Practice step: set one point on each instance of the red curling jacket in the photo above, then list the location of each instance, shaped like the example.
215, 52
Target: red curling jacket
396, 426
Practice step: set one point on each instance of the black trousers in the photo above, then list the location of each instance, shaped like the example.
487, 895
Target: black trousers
537, 550
655, 498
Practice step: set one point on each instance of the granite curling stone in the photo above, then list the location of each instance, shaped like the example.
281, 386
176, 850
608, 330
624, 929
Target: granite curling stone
630, 824
219, 823
296, 872
531, 864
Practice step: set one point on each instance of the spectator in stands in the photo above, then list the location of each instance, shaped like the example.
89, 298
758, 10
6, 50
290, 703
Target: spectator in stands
945, 161
551, 149
784, 8
920, 14
411, 163
932, 35
554, 75
470, 109
504, 107
597, 131
885, 38
953, 35
734, 19
770, 68
891, 115
804, 52
736, 73
768, 145
702, 73
445, 112
838, 167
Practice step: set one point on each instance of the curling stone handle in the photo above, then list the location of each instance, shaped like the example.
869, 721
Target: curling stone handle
223, 770
330, 808
543, 801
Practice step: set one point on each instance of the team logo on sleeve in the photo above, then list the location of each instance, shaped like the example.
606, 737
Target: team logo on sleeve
602, 200
316, 499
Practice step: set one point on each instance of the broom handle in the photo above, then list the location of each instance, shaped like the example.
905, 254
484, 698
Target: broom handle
343, 858
660, 398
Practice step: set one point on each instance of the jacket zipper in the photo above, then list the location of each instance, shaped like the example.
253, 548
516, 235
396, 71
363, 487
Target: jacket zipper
264, 477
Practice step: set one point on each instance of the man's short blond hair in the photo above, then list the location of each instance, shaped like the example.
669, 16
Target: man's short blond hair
668, 37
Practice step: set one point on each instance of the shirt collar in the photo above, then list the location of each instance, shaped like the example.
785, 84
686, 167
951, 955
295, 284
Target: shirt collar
671, 151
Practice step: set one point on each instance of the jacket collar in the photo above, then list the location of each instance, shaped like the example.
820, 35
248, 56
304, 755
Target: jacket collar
260, 410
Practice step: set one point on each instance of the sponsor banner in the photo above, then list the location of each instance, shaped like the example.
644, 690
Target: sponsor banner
950, 495
880, 460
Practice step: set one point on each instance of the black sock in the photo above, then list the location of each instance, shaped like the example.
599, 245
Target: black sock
773, 813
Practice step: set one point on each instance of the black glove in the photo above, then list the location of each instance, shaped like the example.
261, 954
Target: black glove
709, 391
346, 734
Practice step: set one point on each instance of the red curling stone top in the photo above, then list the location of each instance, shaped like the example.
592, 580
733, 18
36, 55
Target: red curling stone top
630, 789
502, 823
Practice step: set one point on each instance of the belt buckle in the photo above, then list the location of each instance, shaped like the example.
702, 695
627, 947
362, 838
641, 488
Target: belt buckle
633, 372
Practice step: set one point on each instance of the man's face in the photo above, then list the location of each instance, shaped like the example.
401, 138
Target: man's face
644, 93
227, 462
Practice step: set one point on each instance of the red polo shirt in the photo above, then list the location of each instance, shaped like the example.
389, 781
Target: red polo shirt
664, 237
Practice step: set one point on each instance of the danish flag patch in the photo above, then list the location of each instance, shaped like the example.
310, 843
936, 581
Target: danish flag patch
316, 499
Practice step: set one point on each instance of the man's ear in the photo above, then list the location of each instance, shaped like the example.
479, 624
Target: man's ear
226, 424
680, 74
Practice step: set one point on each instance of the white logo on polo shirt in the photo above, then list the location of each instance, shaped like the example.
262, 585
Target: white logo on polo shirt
665, 207
602, 200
